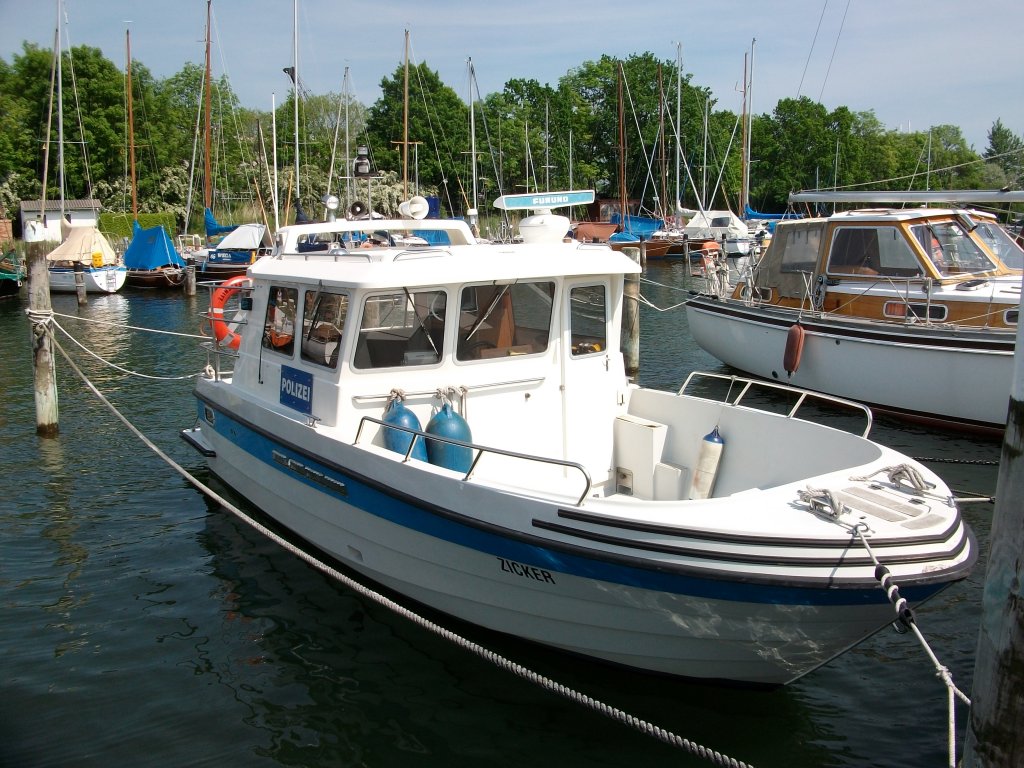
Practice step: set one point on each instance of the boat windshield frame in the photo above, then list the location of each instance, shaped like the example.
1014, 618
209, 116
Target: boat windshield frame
951, 250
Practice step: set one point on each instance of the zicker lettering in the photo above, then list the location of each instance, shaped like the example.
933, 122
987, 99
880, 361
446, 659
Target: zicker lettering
526, 571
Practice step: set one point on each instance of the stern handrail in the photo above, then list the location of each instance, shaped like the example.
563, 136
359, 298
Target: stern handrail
802, 395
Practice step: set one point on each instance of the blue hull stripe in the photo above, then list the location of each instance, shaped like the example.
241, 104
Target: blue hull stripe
377, 499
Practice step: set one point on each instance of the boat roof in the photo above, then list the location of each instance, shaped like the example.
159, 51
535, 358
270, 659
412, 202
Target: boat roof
884, 216
463, 260
288, 238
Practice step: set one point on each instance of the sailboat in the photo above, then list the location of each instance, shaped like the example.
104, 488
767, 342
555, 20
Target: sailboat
150, 259
634, 231
83, 248
239, 245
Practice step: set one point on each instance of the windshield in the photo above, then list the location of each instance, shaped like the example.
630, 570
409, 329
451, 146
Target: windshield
951, 249
1001, 244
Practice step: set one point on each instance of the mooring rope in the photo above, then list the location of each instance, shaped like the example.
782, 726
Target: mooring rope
496, 659
129, 327
942, 460
115, 366
648, 303
905, 615
824, 503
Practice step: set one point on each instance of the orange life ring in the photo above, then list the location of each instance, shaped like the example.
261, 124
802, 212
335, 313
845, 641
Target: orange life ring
225, 336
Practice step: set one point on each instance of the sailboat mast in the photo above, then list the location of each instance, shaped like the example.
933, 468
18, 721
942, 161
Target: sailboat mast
273, 143
295, 90
748, 130
622, 154
679, 112
60, 112
660, 208
348, 150
131, 120
547, 147
207, 180
49, 120
743, 144
472, 132
405, 124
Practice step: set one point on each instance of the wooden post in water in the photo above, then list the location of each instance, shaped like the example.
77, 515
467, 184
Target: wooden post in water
631, 319
40, 311
190, 275
994, 734
80, 283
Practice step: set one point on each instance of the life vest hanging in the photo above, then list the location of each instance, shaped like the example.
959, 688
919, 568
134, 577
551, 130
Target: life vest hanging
225, 335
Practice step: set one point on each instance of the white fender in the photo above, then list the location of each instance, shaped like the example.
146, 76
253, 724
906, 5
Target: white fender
706, 471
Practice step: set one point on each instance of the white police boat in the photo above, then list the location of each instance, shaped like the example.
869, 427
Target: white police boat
453, 421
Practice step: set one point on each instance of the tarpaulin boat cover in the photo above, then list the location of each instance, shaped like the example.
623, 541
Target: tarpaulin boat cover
150, 249
85, 244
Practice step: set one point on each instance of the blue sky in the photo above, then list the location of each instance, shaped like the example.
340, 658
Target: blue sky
915, 63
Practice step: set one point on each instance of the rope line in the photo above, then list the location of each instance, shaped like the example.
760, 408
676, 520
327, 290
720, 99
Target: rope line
496, 659
130, 327
978, 462
115, 366
905, 615
648, 303
825, 504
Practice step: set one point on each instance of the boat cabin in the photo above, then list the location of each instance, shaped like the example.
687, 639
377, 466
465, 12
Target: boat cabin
337, 323
917, 264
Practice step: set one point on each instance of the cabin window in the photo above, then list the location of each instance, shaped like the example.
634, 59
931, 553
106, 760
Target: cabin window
279, 325
504, 320
1001, 244
854, 252
800, 252
902, 310
951, 249
872, 251
588, 319
323, 325
401, 328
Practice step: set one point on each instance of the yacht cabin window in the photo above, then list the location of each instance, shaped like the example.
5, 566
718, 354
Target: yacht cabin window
872, 251
401, 328
951, 249
588, 319
800, 244
323, 325
1001, 244
279, 324
503, 320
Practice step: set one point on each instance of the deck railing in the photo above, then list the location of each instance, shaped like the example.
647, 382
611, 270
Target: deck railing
479, 450
745, 386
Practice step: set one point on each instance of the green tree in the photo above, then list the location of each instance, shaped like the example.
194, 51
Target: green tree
438, 120
1006, 150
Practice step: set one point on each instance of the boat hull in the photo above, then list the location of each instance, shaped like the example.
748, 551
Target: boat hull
371, 513
960, 378
165, 278
106, 279
10, 285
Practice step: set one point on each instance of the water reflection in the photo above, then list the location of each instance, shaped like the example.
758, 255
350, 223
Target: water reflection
327, 675
151, 628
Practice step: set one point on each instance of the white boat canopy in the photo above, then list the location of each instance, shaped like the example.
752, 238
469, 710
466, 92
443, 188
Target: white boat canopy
84, 244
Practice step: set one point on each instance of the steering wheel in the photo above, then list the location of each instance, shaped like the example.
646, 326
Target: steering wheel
432, 310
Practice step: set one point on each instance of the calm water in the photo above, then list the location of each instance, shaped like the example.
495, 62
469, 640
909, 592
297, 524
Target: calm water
144, 626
